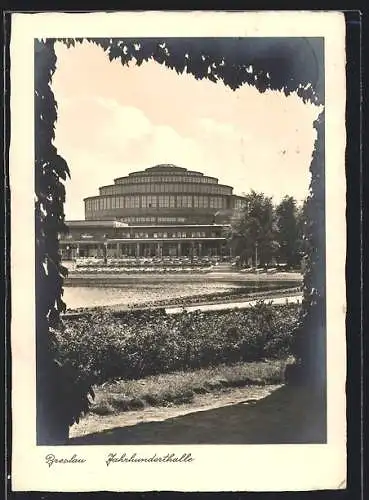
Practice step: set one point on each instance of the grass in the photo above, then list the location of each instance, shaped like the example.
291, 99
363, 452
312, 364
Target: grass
181, 387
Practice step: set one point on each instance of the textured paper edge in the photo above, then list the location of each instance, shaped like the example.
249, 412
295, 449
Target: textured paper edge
217, 467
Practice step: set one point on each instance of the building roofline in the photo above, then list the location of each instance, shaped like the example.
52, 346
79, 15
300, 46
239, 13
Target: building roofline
96, 223
177, 225
162, 193
143, 172
166, 183
139, 240
165, 166
151, 240
125, 225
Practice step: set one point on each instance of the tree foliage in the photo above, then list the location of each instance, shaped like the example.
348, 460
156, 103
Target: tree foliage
270, 232
303, 247
288, 232
310, 345
254, 232
287, 64
62, 394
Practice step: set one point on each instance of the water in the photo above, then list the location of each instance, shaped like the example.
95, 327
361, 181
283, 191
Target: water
80, 296
125, 294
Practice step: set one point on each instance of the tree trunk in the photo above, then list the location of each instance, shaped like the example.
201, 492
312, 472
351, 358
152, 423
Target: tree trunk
51, 419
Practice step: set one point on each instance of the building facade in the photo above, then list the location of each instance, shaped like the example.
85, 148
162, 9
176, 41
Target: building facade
164, 210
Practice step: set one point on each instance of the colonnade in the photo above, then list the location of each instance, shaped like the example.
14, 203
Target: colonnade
142, 249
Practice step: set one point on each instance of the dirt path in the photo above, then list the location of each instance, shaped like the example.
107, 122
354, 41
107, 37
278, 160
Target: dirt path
202, 402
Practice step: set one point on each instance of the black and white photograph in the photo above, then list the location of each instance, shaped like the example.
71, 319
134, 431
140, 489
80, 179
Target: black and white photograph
183, 213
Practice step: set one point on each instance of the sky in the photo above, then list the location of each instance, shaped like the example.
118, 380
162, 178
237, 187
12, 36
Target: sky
114, 119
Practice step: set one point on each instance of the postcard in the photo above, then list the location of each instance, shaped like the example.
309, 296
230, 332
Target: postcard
178, 246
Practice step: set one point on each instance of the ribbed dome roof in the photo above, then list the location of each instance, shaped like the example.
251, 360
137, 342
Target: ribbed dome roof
166, 166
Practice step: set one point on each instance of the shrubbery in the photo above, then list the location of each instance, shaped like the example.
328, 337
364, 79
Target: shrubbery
142, 343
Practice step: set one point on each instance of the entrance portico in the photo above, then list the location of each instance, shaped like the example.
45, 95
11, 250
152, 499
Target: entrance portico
169, 247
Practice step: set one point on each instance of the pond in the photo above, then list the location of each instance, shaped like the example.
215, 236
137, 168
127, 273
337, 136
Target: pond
139, 293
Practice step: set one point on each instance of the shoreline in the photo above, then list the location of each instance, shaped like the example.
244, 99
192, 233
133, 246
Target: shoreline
225, 306
276, 297
116, 279
286, 285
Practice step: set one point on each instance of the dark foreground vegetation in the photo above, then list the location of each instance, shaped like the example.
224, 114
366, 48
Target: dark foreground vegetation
137, 344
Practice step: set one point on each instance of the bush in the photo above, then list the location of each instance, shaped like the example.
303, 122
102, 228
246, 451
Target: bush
142, 343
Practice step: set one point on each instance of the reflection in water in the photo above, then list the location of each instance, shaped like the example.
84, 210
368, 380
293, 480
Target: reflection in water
76, 297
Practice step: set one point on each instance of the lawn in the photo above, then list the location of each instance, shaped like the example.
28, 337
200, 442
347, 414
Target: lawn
182, 387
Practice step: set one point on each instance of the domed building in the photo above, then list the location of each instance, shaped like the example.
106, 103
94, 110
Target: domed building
162, 210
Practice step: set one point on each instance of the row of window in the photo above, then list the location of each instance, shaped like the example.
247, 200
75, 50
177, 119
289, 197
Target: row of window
143, 234
163, 179
177, 234
153, 201
139, 220
166, 188
143, 220
171, 220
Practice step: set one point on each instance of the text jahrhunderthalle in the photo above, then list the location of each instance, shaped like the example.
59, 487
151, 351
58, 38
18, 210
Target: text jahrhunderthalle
114, 458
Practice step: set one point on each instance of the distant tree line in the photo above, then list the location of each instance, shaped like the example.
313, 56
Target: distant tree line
265, 233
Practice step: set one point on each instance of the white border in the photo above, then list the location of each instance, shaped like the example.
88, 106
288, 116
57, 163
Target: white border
216, 468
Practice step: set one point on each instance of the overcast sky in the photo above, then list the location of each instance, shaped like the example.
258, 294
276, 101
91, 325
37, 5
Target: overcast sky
114, 119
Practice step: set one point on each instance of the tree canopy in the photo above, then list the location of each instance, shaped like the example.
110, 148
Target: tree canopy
269, 232
253, 234
288, 234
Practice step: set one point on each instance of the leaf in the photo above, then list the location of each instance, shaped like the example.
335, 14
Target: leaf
91, 392
61, 167
63, 271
